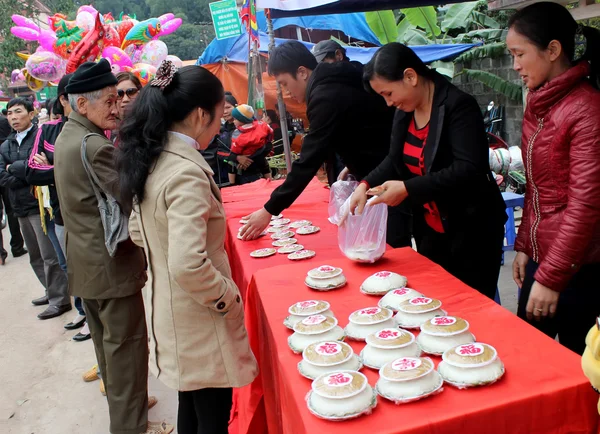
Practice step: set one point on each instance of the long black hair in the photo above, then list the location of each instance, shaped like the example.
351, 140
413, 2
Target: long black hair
143, 135
390, 62
545, 22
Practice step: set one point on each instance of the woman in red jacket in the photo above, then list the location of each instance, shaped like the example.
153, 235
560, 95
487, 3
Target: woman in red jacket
558, 260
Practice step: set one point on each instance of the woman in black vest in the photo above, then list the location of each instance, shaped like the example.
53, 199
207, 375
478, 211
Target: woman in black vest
438, 161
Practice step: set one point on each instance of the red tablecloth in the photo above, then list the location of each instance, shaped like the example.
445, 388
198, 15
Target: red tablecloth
543, 391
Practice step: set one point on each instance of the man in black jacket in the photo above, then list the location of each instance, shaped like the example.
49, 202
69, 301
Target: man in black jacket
14, 154
343, 117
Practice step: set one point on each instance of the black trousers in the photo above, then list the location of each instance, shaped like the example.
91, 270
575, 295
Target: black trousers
204, 411
472, 253
16, 238
578, 307
399, 226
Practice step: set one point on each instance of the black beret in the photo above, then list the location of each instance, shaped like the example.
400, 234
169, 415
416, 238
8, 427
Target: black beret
91, 76
62, 84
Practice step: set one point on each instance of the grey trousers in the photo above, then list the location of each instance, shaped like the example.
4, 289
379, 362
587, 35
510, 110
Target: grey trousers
44, 261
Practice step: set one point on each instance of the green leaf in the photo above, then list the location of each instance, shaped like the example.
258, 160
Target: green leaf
485, 21
458, 16
414, 36
486, 34
494, 50
339, 41
403, 26
424, 18
510, 90
444, 68
383, 24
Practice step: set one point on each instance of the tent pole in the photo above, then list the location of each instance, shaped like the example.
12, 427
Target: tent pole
280, 104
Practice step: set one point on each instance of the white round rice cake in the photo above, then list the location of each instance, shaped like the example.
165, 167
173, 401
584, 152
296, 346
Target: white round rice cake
239, 236
280, 222
282, 235
284, 242
302, 254
307, 230
263, 253
290, 248
300, 223
276, 217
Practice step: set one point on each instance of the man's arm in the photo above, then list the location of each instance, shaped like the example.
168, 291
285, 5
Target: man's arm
7, 179
325, 123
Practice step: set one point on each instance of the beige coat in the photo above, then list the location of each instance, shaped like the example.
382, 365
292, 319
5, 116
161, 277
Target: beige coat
194, 311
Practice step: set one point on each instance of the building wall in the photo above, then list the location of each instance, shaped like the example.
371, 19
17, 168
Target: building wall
513, 110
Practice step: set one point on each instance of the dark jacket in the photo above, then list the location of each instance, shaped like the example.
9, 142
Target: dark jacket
458, 177
344, 119
218, 153
560, 229
5, 129
44, 175
14, 180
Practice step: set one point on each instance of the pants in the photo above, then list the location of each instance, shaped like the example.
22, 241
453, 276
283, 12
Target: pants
471, 253
16, 238
578, 307
44, 261
399, 226
59, 230
51, 229
204, 411
120, 337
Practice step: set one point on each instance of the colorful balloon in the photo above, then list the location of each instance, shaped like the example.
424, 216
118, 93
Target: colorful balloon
89, 47
154, 53
25, 33
56, 20
170, 26
134, 52
111, 37
45, 66
85, 20
22, 21
144, 72
175, 60
87, 8
118, 59
14, 76
163, 18
47, 39
142, 32
67, 40
123, 27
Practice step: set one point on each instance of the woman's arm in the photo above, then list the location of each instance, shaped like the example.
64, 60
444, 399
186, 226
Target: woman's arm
582, 216
189, 200
463, 130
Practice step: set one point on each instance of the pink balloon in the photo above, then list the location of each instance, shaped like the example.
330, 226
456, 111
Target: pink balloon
22, 21
118, 59
164, 18
170, 26
47, 39
25, 33
87, 8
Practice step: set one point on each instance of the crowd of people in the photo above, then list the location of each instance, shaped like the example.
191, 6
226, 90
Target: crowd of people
160, 297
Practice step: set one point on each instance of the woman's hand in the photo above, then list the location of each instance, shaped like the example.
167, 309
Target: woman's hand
519, 264
394, 193
358, 199
244, 161
542, 302
257, 223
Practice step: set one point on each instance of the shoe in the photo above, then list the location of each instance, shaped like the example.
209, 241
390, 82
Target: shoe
19, 253
91, 375
54, 311
80, 337
102, 388
78, 322
40, 301
159, 428
3, 260
152, 401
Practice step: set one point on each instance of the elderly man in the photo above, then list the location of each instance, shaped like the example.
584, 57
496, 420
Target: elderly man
109, 286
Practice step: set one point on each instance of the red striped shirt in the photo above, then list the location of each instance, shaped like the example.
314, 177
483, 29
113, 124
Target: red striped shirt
415, 162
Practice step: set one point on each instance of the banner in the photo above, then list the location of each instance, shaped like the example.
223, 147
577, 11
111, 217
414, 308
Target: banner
292, 5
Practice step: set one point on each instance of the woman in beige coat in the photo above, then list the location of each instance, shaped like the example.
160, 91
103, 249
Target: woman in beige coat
195, 316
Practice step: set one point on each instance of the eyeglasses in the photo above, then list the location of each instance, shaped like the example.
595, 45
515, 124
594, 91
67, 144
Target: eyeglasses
129, 92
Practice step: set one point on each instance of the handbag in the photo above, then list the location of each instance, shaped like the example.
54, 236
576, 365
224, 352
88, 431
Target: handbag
114, 221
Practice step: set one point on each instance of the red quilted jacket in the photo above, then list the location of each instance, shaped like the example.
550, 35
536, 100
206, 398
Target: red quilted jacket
561, 151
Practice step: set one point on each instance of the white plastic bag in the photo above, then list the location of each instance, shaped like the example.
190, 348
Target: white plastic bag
339, 194
516, 159
362, 237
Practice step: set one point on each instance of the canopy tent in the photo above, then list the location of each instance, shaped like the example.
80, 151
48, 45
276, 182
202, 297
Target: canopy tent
353, 25
236, 50
298, 8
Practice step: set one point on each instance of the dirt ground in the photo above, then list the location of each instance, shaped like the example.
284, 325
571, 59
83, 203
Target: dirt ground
41, 390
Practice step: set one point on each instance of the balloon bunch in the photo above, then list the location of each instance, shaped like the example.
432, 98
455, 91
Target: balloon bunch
128, 44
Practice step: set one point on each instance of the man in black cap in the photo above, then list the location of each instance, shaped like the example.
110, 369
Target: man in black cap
329, 51
109, 286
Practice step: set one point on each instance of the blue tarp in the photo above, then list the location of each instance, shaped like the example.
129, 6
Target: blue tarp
353, 25
236, 50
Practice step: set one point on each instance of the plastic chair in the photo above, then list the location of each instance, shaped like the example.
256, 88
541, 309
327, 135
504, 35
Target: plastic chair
511, 200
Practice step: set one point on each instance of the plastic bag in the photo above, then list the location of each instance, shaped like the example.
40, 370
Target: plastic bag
339, 194
362, 237
516, 159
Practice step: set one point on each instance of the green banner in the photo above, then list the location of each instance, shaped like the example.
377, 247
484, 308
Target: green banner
226, 19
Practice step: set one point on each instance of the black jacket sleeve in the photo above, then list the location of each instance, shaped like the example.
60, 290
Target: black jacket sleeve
8, 179
390, 168
326, 119
36, 174
464, 132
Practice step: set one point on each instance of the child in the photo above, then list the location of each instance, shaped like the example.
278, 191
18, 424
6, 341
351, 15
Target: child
251, 138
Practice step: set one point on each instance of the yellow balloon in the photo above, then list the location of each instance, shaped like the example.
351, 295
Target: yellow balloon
23, 56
